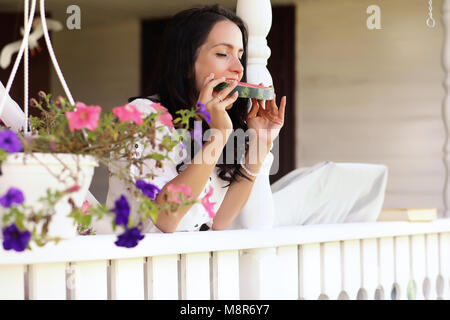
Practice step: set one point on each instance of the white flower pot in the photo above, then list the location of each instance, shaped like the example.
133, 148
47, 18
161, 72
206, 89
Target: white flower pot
31, 175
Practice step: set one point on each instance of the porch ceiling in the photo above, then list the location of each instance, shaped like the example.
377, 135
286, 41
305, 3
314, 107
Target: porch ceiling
98, 12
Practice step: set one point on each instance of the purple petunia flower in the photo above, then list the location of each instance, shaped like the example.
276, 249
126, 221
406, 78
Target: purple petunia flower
15, 239
203, 111
11, 197
9, 141
129, 238
197, 133
148, 189
122, 211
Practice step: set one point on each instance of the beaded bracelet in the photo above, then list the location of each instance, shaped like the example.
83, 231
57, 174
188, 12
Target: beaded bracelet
245, 168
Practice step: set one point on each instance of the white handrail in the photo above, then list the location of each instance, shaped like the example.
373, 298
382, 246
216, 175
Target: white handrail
101, 247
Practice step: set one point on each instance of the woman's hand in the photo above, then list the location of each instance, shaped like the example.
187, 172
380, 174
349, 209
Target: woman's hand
268, 122
217, 102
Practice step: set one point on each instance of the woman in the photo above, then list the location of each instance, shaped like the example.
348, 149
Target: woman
203, 46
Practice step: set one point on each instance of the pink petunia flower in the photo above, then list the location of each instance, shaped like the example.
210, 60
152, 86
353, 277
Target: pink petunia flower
85, 207
83, 117
158, 107
165, 118
176, 190
209, 206
128, 112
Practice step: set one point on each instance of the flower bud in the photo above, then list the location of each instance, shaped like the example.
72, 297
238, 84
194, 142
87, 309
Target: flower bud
73, 188
33, 102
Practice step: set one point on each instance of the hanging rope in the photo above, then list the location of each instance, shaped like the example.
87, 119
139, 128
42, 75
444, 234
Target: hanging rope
24, 46
430, 21
25, 71
52, 54
19, 56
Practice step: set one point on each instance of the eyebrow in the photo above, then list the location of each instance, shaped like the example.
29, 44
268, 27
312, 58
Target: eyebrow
227, 45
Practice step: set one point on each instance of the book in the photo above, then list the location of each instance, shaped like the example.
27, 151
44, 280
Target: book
408, 214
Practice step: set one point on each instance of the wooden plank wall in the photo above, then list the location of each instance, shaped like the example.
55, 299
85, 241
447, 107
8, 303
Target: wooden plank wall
373, 96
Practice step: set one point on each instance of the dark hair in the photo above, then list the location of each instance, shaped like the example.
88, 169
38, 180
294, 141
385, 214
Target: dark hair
175, 82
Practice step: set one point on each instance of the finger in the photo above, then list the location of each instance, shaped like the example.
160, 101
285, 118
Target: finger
282, 108
230, 100
226, 91
262, 110
208, 78
208, 88
267, 113
254, 109
273, 106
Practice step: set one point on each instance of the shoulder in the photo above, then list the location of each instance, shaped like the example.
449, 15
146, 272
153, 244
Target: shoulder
145, 105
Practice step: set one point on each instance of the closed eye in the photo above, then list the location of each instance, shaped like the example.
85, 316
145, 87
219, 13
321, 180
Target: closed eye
224, 55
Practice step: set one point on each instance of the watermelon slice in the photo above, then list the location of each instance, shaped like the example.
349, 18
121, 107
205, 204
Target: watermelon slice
247, 90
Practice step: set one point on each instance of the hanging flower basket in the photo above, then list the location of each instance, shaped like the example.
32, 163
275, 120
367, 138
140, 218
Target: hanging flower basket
46, 173
34, 174
48, 162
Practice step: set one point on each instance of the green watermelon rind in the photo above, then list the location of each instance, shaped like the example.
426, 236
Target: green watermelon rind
249, 92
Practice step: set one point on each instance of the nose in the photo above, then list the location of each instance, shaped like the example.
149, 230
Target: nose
236, 66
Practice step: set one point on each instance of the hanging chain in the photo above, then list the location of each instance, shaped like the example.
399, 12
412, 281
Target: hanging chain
430, 21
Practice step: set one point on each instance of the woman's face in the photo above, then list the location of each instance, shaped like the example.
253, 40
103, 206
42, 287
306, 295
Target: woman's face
220, 54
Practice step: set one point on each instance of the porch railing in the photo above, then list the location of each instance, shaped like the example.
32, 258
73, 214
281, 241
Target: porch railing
382, 260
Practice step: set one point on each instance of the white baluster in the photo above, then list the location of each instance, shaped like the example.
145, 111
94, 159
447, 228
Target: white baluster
369, 263
386, 265
402, 266
418, 264
89, 280
351, 268
127, 279
162, 277
444, 264
288, 271
226, 275
432, 247
331, 271
258, 277
195, 276
12, 282
309, 271
48, 281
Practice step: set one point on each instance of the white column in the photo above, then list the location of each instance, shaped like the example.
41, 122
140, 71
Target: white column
257, 14
257, 267
446, 102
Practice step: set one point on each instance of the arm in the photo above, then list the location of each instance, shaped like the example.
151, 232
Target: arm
255, 198
195, 176
252, 199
